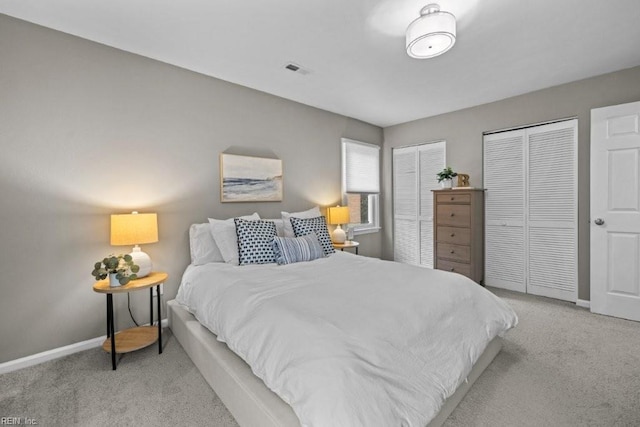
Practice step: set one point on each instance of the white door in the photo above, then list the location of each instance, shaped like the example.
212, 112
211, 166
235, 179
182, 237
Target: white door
405, 205
431, 160
504, 181
615, 211
530, 178
414, 176
552, 210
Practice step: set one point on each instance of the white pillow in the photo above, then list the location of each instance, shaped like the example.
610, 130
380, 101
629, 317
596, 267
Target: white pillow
224, 234
288, 229
202, 246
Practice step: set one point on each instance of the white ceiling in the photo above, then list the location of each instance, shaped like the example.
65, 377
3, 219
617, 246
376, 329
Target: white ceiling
354, 49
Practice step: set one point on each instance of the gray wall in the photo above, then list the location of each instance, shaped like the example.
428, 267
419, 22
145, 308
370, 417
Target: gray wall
87, 131
463, 132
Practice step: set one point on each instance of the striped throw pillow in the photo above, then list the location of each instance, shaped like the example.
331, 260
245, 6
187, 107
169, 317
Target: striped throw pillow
297, 249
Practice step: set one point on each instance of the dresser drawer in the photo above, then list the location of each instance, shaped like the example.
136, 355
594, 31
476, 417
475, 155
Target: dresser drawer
455, 267
453, 198
455, 235
455, 215
454, 252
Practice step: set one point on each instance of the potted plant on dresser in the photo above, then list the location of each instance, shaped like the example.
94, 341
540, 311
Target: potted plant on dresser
445, 177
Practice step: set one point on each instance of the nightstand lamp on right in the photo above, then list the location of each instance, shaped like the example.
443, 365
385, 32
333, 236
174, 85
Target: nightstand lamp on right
135, 229
337, 216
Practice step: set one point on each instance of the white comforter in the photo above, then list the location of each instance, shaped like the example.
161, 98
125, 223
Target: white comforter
349, 340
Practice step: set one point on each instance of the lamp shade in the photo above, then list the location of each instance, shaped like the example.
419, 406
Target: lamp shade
432, 34
134, 228
338, 215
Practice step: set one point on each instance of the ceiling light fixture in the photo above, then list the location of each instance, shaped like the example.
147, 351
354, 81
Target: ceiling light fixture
432, 34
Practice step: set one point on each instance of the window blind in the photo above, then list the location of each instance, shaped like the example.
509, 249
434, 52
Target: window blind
361, 169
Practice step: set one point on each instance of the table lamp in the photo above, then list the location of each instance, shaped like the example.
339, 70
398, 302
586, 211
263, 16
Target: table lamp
338, 215
135, 229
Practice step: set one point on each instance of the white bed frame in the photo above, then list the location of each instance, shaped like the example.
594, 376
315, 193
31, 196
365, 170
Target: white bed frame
248, 399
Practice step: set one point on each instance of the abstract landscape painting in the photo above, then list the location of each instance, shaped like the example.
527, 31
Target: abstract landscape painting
250, 179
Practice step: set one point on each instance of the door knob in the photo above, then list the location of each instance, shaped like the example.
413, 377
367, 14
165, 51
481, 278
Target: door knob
599, 221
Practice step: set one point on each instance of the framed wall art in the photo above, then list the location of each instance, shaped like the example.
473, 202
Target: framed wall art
250, 179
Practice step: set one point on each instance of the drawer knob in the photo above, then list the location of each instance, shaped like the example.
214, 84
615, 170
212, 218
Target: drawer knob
453, 198
453, 234
452, 214
452, 251
451, 269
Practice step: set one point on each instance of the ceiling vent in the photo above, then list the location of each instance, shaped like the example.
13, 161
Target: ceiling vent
296, 69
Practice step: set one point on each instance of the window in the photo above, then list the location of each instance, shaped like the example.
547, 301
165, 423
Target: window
361, 185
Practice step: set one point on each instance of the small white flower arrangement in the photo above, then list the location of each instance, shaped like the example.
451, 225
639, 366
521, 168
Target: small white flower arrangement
120, 265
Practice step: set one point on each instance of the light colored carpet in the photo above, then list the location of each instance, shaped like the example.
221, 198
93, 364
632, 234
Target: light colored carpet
561, 366
147, 389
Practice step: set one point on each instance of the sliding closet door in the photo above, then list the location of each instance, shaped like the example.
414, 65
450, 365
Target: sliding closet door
552, 209
504, 172
431, 160
531, 210
414, 176
405, 205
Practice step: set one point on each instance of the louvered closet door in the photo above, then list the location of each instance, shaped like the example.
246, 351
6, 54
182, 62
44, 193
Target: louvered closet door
405, 205
431, 160
552, 210
504, 182
414, 176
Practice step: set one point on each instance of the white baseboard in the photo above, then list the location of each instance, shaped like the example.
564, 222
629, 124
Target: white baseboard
56, 353
583, 303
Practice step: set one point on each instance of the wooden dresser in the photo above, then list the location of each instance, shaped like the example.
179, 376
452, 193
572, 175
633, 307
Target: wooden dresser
459, 232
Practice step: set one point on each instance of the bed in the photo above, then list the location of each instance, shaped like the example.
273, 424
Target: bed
340, 340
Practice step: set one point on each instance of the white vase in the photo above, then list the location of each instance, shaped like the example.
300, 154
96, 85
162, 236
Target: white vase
447, 183
113, 280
